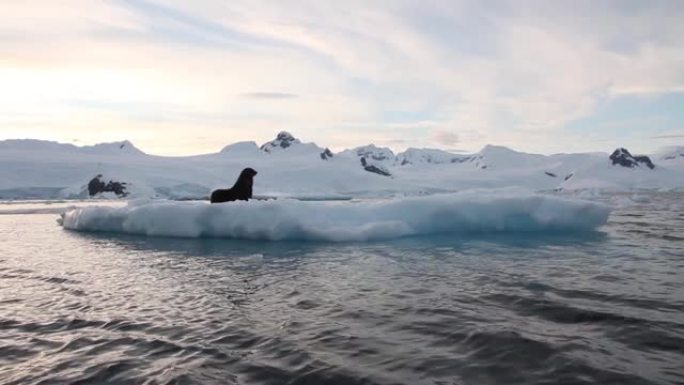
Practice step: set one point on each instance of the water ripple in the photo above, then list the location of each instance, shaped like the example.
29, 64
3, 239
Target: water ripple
602, 308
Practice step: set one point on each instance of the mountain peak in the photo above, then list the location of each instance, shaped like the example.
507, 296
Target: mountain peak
245, 146
35, 145
374, 152
672, 152
120, 147
494, 149
414, 155
282, 141
624, 158
285, 136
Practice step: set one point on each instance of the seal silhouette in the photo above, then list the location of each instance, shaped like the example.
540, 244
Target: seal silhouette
241, 190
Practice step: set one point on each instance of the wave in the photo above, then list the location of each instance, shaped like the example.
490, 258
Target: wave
286, 219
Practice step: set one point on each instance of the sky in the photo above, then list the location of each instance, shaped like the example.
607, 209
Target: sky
180, 77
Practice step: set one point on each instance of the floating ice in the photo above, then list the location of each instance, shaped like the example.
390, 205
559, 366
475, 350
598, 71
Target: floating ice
470, 211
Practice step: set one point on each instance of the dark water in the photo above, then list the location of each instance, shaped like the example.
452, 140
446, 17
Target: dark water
603, 308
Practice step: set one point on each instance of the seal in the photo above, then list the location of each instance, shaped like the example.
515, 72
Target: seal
241, 190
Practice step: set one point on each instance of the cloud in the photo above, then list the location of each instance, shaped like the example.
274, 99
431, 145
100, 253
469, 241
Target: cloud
446, 138
269, 95
673, 136
512, 73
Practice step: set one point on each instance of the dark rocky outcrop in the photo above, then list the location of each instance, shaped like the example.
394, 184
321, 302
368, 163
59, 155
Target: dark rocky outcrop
464, 159
374, 168
97, 186
623, 158
326, 154
645, 160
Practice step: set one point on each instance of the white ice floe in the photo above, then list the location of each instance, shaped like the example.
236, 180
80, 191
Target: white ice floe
284, 219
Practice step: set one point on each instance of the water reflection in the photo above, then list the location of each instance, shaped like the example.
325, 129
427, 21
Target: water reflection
213, 247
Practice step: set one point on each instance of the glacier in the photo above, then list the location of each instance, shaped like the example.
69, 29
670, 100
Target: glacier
473, 211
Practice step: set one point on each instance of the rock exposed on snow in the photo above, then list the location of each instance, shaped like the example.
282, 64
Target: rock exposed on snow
326, 154
282, 141
98, 186
623, 157
374, 168
375, 153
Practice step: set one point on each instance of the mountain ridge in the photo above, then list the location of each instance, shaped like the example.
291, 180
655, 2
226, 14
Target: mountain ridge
45, 169
32, 144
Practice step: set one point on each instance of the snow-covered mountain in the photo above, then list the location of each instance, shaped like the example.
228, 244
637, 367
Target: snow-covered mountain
113, 148
242, 148
624, 158
415, 156
672, 153
288, 166
282, 141
371, 152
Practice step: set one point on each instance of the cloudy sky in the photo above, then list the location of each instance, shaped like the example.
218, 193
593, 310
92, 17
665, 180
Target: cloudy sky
186, 77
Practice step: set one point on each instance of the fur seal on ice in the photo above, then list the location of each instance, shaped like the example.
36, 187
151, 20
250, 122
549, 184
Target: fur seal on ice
241, 190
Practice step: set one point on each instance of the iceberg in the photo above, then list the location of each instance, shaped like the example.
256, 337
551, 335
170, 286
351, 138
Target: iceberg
473, 211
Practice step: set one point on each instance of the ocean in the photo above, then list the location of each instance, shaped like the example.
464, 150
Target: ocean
601, 307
